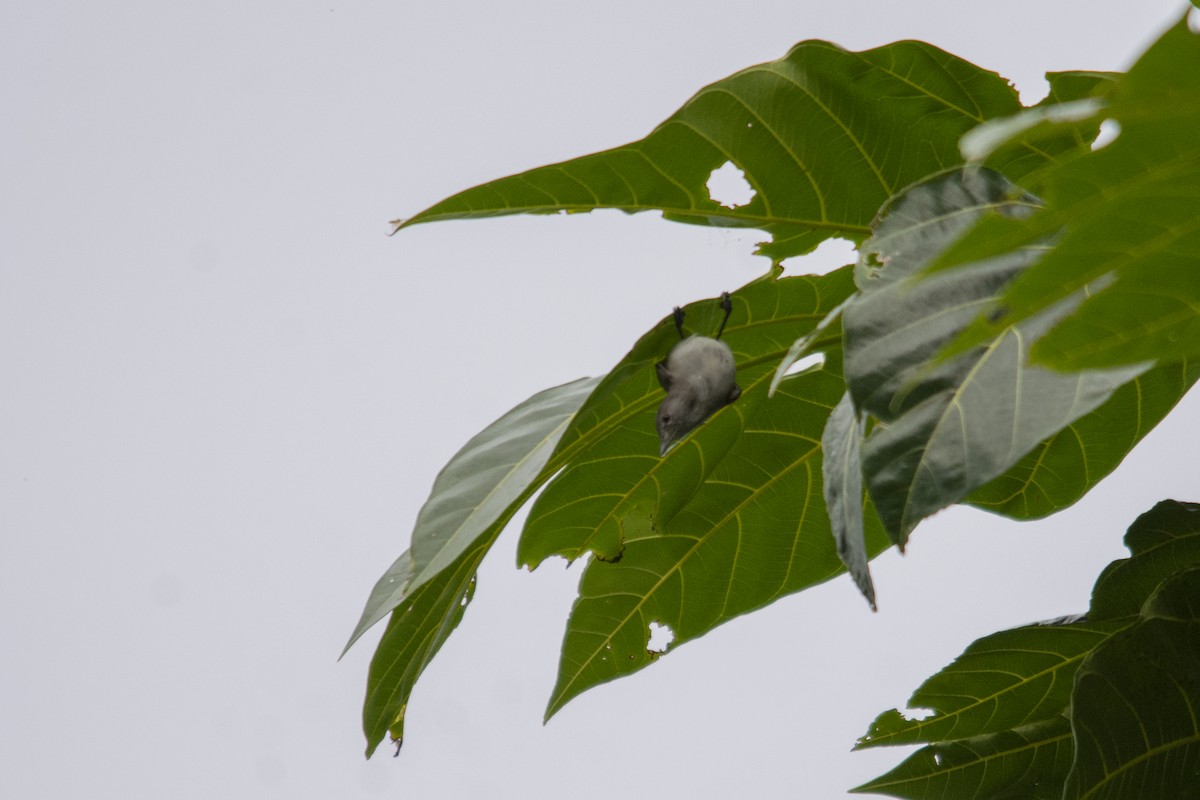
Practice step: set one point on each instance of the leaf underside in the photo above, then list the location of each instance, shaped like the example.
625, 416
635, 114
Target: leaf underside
947, 428
430, 585
842, 482
1128, 220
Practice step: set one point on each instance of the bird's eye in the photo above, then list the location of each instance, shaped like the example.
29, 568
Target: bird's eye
666, 417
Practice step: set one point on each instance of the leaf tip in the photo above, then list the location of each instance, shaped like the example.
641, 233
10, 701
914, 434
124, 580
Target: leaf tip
552, 708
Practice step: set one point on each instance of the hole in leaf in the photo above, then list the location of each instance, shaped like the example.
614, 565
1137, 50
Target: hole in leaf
917, 714
727, 185
1193, 19
809, 363
1035, 92
661, 637
870, 264
937, 759
1109, 129
828, 256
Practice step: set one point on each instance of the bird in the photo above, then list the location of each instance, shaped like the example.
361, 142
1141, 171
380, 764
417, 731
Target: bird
699, 376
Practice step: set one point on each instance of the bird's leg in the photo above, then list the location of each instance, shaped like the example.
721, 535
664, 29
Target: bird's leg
728, 306
678, 312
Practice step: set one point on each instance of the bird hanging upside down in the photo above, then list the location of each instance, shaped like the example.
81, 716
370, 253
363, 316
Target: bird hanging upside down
699, 377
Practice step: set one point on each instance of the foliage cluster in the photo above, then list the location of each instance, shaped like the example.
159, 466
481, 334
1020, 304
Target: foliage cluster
1022, 313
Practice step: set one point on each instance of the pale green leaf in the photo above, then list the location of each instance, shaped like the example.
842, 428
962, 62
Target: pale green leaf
1127, 221
841, 444
476, 493
472, 499
412, 638
1063, 468
948, 427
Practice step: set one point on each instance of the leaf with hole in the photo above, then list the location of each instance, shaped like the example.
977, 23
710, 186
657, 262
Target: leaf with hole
1059, 128
753, 531
1025, 679
1127, 222
823, 136
1029, 763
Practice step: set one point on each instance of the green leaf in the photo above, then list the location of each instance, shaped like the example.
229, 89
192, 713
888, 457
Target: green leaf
1065, 467
1028, 763
1136, 707
1025, 674
1060, 127
476, 493
489, 474
428, 587
843, 490
981, 142
1031, 675
1071, 85
413, 636
735, 511
1163, 541
823, 136
1002, 681
1128, 219
387, 593
754, 531
615, 480
952, 426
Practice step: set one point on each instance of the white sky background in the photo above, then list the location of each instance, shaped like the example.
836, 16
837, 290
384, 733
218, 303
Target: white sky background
226, 393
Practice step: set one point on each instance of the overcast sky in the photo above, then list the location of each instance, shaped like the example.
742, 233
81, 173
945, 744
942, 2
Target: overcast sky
224, 394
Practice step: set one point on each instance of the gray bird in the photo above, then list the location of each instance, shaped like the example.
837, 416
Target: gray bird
699, 376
